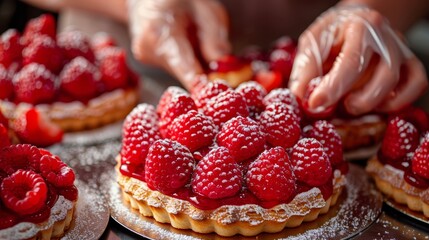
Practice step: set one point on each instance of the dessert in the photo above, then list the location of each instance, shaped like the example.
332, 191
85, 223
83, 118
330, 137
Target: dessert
231, 69
37, 192
76, 82
401, 166
229, 161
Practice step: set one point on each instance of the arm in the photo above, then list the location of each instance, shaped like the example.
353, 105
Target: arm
115, 9
401, 14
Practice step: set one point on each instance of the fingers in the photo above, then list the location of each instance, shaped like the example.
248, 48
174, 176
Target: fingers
412, 88
212, 24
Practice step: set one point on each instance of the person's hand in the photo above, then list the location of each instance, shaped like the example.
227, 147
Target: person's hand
160, 31
372, 68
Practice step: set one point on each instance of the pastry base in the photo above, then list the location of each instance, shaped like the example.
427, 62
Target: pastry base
228, 220
77, 116
391, 182
234, 78
55, 227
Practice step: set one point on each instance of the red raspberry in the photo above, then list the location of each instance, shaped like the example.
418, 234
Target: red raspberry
209, 91
168, 166
281, 125
4, 137
401, 137
225, 106
315, 114
420, 162
42, 25
285, 43
28, 78
10, 47
178, 105
43, 50
19, 156
75, 44
143, 113
102, 40
282, 61
137, 138
416, 116
226, 63
77, 73
7, 218
325, 133
193, 130
269, 79
35, 128
24, 192
242, 137
166, 97
270, 176
113, 68
56, 172
253, 93
6, 85
217, 175
310, 163
284, 95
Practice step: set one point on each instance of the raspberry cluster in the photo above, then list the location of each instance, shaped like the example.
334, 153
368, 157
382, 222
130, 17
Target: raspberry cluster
42, 66
221, 142
31, 179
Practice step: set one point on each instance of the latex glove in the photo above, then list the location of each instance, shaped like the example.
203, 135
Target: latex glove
160, 34
358, 33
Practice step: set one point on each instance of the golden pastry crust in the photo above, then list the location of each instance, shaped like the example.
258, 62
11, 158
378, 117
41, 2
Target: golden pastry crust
76, 116
362, 132
234, 78
391, 182
228, 220
55, 227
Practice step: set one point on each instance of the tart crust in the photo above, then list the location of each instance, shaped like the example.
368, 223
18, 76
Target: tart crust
228, 220
76, 116
56, 226
391, 182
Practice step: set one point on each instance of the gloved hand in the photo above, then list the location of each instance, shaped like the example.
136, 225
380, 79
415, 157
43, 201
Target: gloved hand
357, 34
160, 34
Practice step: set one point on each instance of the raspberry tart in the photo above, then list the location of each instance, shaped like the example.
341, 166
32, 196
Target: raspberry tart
76, 82
401, 167
37, 192
229, 161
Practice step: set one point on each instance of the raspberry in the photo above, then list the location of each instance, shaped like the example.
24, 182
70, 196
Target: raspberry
4, 137
310, 163
77, 73
168, 166
401, 137
6, 85
43, 50
24, 192
281, 125
144, 113
56, 172
282, 61
7, 218
42, 25
113, 68
193, 130
217, 175
19, 156
225, 106
270, 176
416, 116
209, 91
28, 78
420, 162
242, 137
10, 47
137, 138
75, 44
226, 63
35, 128
284, 95
253, 93
166, 97
317, 113
285, 43
270, 80
71, 193
179, 104
325, 133
102, 40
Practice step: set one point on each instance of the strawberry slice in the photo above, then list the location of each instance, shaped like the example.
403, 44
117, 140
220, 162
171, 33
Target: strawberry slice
34, 128
269, 79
